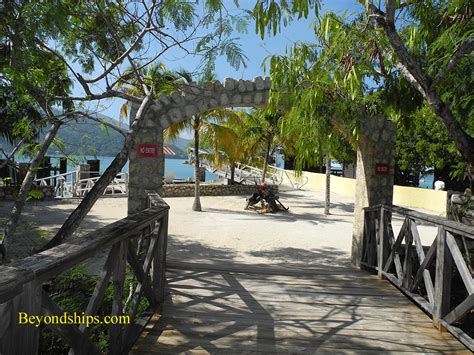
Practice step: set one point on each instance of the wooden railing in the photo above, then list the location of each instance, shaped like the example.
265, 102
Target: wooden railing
71, 185
296, 181
244, 174
137, 244
427, 275
118, 186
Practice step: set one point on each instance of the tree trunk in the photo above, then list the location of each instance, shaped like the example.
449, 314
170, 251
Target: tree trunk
232, 173
197, 191
265, 162
25, 188
327, 201
77, 216
471, 176
10, 157
415, 75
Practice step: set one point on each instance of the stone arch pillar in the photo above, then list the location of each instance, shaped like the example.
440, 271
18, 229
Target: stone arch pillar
146, 162
374, 175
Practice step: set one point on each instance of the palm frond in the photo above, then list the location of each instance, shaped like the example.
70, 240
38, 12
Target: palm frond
174, 131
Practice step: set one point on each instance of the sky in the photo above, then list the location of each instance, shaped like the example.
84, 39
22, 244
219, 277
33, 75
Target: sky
252, 45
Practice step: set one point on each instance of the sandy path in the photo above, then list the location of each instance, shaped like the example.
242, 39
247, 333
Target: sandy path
224, 231
40, 220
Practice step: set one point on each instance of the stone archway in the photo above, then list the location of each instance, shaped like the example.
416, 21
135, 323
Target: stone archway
147, 168
375, 155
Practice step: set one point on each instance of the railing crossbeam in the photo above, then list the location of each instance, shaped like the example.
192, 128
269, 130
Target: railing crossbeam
461, 310
101, 286
460, 263
140, 274
79, 342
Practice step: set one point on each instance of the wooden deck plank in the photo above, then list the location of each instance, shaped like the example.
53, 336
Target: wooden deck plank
305, 284
353, 282
316, 299
304, 329
286, 270
260, 288
348, 339
318, 312
282, 310
245, 344
358, 323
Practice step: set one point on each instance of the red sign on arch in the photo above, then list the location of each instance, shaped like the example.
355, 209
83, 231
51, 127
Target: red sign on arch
382, 169
147, 151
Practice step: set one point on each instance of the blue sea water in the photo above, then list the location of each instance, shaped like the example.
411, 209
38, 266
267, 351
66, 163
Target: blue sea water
177, 166
426, 181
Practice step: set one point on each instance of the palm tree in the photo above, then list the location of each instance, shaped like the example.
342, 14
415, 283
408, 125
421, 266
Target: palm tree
228, 143
158, 76
205, 122
263, 131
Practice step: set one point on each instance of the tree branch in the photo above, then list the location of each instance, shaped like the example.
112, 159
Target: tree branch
105, 95
120, 59
409, 77
105, 123
390, 13
8, 157
407, 64
463, 50
77, 216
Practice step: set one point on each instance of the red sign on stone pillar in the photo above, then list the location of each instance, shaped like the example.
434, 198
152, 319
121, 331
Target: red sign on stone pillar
147, 151
382, 169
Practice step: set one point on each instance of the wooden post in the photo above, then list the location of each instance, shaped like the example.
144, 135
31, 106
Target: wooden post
24, 338
159, 262
407, 264
444, 263
75, 181
118, 277
155, 266
380, 251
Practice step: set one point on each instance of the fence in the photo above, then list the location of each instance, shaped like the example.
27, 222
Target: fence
78, 183
439, 278
139, 241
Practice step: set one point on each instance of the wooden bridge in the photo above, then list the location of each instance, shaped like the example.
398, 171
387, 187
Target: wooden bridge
241, 308
230, 308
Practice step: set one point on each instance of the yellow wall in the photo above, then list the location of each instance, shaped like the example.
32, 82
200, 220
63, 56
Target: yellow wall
339, 185
414, 197
411, 197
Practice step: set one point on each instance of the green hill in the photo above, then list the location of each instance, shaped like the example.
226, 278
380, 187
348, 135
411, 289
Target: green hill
87, 137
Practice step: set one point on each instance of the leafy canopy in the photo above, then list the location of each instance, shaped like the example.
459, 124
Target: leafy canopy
351, 70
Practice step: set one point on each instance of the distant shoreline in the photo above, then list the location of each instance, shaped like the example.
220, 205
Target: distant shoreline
175, 165
60, 155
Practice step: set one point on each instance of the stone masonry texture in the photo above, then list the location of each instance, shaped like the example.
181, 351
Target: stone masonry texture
187, 190
376, 146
